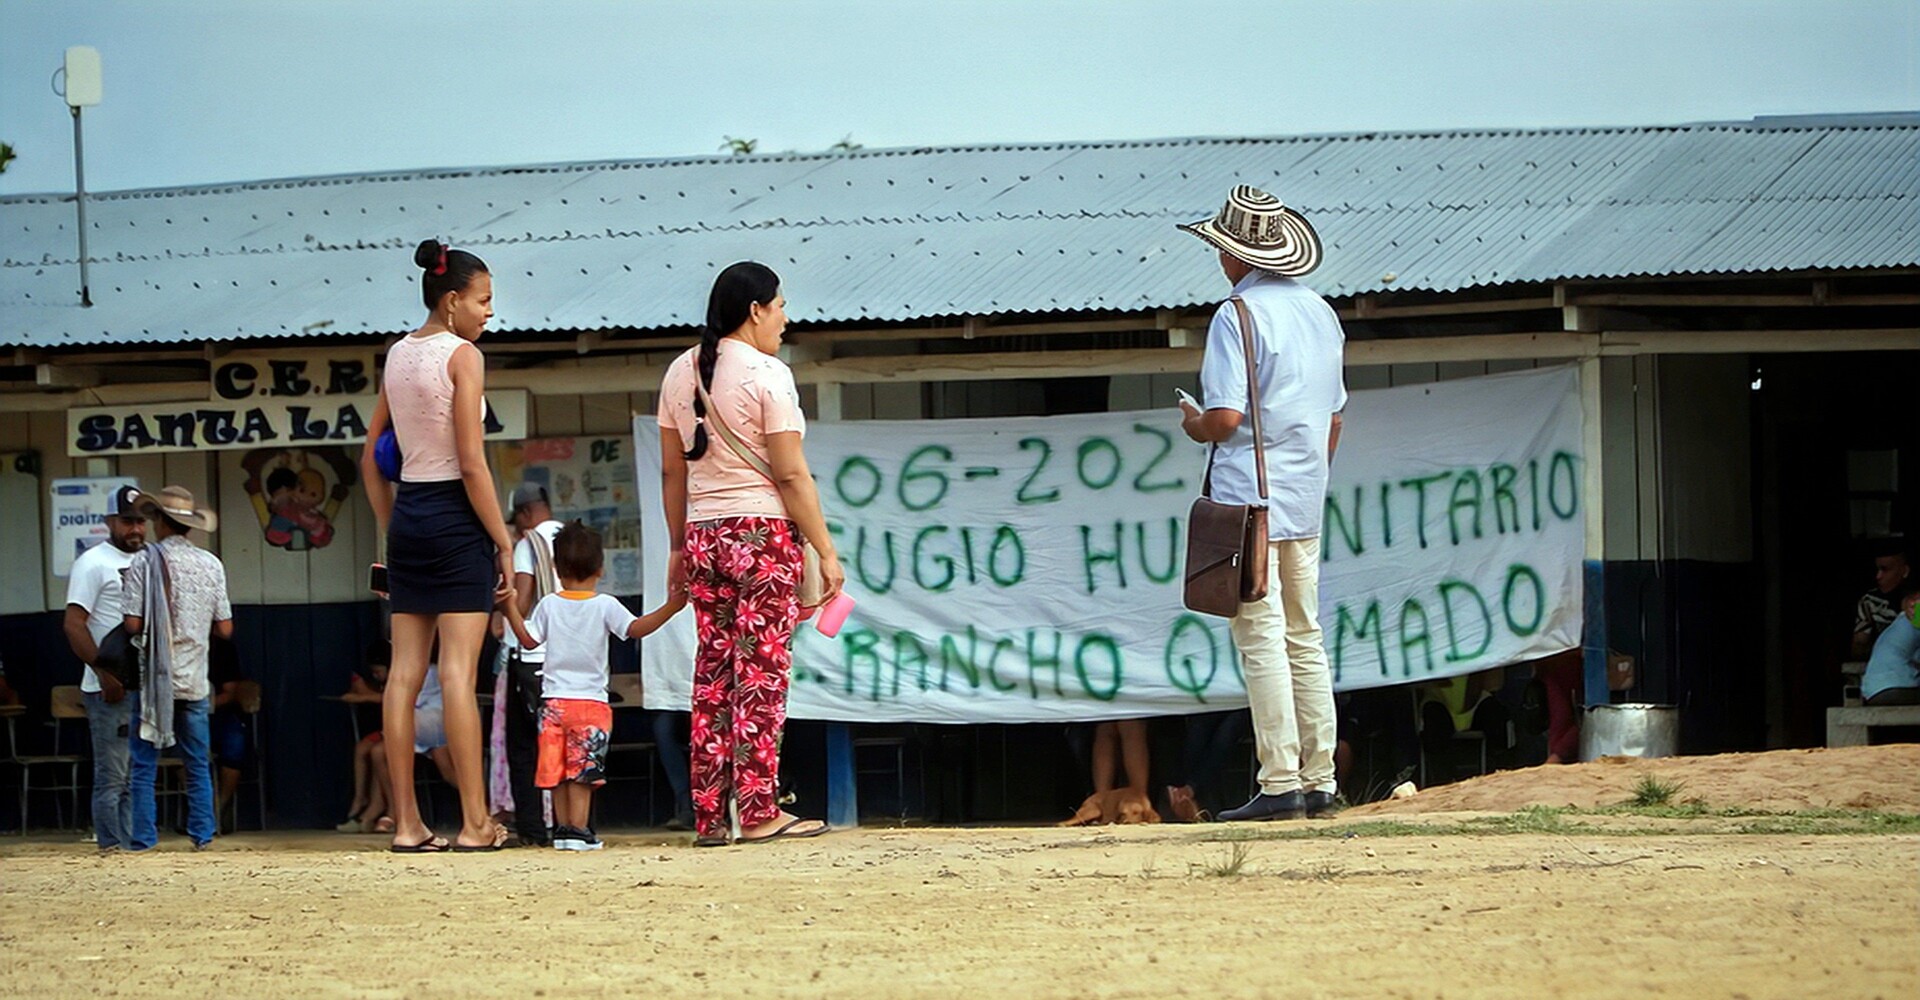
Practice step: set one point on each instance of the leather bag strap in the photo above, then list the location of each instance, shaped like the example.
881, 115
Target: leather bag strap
733, 441
1253, 408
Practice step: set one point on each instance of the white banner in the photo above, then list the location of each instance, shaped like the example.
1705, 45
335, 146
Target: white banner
1028, 569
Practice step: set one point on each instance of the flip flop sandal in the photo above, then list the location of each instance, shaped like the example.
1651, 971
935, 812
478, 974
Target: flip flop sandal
716, 840
786, 832
499, 843
431, 845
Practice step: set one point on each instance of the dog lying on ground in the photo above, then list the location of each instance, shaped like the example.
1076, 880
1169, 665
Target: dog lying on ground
1122, 805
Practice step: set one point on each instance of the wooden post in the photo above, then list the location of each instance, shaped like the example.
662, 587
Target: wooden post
1593, 639
843, 797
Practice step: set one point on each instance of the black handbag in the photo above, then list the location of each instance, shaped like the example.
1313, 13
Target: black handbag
120, 654
1227, 543
118, 658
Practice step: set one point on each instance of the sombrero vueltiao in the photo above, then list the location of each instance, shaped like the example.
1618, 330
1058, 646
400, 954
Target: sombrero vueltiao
1256, 228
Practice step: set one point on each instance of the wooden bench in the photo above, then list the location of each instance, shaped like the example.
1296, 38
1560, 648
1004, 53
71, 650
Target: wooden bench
1847, 727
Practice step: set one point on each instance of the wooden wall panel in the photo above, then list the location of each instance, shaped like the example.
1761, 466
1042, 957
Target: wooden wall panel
22, 507
556, 416
606, 413
899, 401
47, 434
241, 542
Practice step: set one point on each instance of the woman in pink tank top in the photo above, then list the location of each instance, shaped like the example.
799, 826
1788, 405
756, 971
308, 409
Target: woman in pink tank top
448, 556
727, 410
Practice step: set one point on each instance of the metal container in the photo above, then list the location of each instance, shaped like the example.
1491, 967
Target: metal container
1631, 730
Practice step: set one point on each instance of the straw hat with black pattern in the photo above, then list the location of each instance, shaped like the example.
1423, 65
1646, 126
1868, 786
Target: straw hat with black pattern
1255, 228
176, 502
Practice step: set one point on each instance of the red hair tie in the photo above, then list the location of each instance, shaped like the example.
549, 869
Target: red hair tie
440, 266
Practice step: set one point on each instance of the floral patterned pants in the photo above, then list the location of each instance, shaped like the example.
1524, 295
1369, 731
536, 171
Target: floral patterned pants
742, 577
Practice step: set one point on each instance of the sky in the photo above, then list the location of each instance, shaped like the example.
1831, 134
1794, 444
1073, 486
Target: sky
204, 91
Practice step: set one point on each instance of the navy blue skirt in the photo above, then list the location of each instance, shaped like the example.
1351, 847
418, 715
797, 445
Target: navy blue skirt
440, 559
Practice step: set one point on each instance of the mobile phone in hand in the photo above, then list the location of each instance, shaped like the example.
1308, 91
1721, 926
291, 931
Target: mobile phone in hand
377, 579
1186, 398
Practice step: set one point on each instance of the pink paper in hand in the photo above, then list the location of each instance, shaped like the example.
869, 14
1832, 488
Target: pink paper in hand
834, 614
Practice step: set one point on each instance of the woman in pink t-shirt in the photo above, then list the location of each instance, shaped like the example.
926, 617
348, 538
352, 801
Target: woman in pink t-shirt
737, 536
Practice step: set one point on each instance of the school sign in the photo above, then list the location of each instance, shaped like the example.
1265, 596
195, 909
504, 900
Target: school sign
1026, 570
264, 399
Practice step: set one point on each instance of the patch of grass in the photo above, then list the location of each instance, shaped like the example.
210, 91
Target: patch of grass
1286, 831
1651, 791
1533, 819
1550, 820
1231, 866
1822, 821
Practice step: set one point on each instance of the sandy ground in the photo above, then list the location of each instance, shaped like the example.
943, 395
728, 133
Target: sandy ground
1885, 778
1114, 912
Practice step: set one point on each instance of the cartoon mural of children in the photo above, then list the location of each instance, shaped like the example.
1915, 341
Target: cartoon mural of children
295, 505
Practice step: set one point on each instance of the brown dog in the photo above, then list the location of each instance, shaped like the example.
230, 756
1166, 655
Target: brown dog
1122, 805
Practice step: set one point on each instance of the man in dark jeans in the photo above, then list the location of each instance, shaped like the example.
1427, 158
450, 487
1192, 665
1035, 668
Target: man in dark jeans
533, 578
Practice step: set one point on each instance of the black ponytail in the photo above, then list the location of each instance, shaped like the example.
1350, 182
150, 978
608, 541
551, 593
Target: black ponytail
735, 292
447, 270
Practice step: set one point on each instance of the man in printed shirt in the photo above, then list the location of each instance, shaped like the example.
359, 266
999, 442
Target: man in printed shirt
196, 590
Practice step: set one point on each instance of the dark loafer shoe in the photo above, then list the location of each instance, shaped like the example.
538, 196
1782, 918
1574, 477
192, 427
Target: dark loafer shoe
1287, 805
1321, 804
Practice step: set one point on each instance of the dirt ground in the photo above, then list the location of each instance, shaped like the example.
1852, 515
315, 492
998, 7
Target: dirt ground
1885, 778
1113, 912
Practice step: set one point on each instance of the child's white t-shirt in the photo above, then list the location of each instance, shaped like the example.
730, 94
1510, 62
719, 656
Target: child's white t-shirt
573, 631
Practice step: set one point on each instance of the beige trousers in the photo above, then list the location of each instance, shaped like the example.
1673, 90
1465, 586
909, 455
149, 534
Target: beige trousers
1284, 659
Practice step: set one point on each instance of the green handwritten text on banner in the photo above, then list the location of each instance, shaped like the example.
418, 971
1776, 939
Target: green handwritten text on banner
1020, 570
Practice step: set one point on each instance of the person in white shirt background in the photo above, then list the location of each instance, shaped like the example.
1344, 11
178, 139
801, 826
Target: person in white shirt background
533, 579
93, 608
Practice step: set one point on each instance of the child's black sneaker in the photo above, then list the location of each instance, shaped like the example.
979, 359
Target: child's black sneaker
566, 838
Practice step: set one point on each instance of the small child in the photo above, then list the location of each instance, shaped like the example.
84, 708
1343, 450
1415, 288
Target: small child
575, 726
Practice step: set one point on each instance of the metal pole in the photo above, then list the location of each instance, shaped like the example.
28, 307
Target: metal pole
80, 204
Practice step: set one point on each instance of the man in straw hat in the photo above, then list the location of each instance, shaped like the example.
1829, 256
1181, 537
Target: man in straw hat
1298, 346
175, 595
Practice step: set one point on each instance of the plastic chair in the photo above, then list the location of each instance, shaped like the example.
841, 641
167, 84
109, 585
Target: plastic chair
897, 742
626, 688
69, 703
1473, 736
249, 696
29, 763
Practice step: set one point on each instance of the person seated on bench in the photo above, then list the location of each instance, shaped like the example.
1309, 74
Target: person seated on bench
1893, 671
1878, 607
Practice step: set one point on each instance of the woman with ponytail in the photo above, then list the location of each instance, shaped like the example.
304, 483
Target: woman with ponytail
728, 411
448, 556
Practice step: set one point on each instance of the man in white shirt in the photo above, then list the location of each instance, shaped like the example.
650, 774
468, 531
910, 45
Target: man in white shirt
533, 578
1298, 354
93, 609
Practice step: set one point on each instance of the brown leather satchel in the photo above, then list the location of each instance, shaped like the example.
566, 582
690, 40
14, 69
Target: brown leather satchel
1226, 542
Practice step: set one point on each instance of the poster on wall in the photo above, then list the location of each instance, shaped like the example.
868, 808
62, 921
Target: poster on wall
1028, 569
80, 511
297, 492
589, 479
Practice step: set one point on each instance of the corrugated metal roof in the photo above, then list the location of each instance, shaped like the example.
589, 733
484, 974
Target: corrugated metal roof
908, 234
